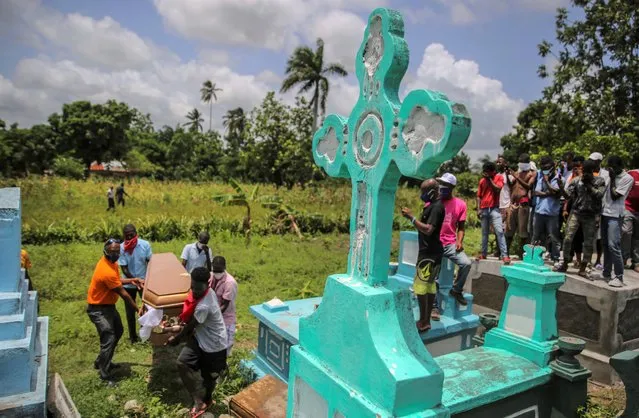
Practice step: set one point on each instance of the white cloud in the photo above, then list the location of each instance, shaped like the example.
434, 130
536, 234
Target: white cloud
260, 23
493, 112
342, 33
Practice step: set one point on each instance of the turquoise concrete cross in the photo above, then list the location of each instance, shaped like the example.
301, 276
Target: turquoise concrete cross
383, 139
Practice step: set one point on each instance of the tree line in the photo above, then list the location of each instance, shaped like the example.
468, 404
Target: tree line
270, 144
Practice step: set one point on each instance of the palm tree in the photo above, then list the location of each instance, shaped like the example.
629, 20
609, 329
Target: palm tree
195, 120
306, 67
235, 121
208, 94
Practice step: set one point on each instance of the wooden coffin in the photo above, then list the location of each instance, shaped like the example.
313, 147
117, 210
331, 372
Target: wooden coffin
167, 282
265, 398
166, 286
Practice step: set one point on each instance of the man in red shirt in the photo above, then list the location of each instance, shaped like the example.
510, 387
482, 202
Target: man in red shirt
630, 228
488, 192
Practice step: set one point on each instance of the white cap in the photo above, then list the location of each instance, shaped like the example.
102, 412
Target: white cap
596, 156
448, 179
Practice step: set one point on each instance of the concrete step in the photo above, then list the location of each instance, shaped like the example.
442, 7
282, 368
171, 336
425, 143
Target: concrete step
32, 402
13, 327
11, 303
18, 356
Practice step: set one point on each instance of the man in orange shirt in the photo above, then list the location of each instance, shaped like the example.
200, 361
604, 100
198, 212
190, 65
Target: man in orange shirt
103, 293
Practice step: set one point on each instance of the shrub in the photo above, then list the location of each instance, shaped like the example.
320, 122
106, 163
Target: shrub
68, 167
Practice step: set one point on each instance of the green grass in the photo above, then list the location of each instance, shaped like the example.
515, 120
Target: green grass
61, 274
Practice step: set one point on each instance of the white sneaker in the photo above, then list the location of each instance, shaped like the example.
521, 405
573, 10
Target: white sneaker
615, 283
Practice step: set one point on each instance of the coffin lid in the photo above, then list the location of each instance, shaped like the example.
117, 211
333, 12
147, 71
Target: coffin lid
167, 282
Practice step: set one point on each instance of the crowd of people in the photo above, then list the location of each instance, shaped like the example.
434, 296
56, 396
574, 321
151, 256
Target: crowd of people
574, 207
207, 321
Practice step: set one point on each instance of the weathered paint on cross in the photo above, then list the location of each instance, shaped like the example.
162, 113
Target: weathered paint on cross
383, 139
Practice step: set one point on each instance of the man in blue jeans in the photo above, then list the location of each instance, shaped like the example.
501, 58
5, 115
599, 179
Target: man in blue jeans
488, 210
548, 206
618, 186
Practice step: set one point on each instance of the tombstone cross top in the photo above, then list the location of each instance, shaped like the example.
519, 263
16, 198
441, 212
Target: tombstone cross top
383, 139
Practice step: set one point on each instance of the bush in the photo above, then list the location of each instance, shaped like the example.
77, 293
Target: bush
68, 167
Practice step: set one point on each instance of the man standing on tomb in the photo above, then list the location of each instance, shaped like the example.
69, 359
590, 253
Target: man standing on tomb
597, 158
504, 196
135, 255
519, 210
586, 193
198, 254
431, 250
205, 349
618, 187
102, 296
225, 288
452, 234
488, 210
548, 190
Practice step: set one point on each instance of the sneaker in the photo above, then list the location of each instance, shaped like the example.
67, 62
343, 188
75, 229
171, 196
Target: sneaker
506, 260
599, 267
560, 268
615, 283
459, 297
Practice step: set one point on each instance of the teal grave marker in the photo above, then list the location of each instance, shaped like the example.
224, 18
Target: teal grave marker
23, 335
359, 353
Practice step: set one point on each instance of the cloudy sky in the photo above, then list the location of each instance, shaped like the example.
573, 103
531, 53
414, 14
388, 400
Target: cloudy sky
155, 54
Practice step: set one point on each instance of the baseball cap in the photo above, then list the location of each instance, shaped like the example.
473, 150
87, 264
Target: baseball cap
596, 156
448, 179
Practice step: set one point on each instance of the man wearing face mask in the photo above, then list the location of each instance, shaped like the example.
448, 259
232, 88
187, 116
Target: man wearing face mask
586, 193
548, 206
452, 234
618, 186
429, 256
488, 210
205, 350
225, 288
197, 254
519, 210
135, 255
102, 296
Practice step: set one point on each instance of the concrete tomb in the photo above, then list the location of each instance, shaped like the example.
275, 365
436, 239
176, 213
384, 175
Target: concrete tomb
358, 354
606, 318
23, 335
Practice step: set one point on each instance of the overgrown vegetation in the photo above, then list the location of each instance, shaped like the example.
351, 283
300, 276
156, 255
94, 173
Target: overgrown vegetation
63, 211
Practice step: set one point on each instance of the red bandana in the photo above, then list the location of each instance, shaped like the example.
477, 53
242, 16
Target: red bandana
129, 245
189, 306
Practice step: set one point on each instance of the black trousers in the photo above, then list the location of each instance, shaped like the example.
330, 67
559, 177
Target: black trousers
131, 313
192, 359
111, 204
109, 326
120, 200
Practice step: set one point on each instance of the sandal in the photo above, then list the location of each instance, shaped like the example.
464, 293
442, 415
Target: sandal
422, 329
199, 410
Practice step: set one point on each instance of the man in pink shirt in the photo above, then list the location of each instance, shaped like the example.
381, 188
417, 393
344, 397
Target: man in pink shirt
225, 288
452, 234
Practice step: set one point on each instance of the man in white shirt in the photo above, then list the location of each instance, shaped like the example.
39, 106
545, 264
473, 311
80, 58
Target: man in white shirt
205, 350
618, 186
197, 254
